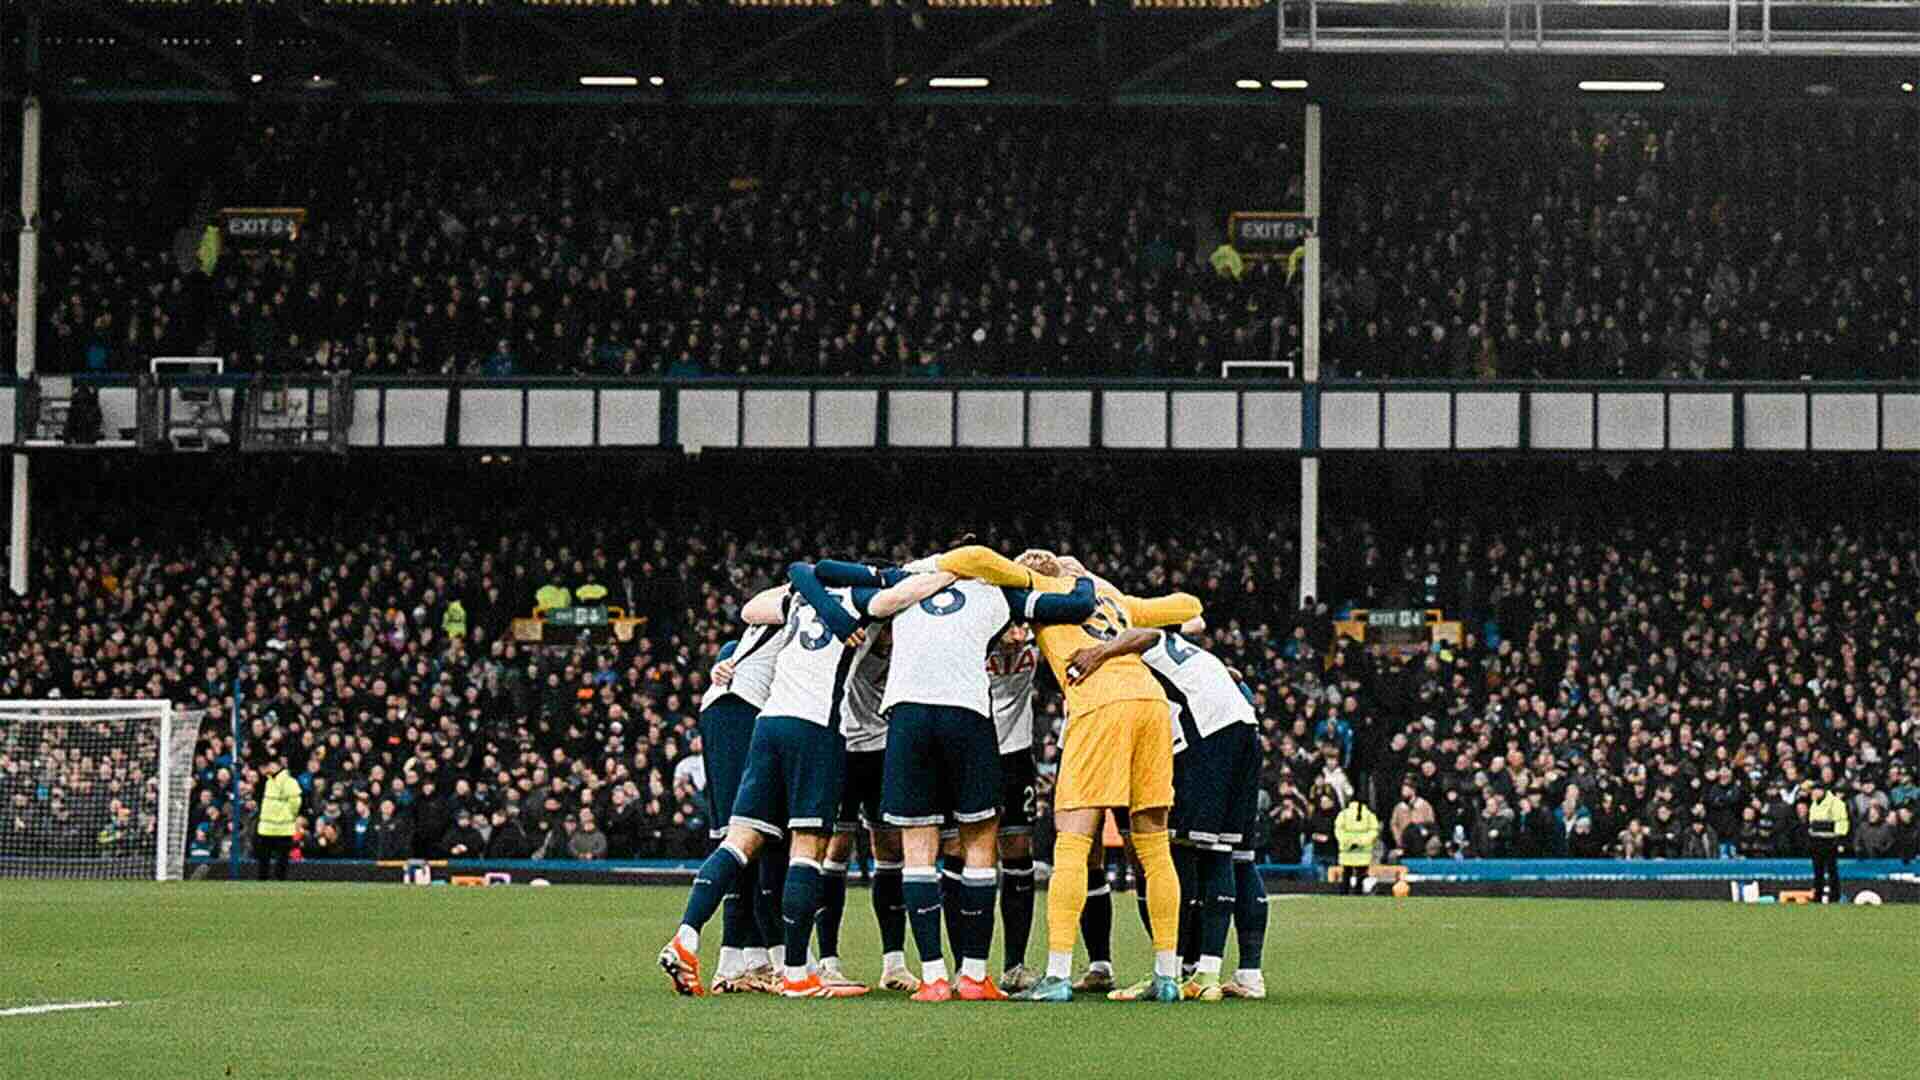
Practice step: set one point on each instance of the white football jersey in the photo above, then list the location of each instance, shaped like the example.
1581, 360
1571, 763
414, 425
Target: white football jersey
1204, 686
810, 678
753, 662
940, 647
1010, 677
861, 720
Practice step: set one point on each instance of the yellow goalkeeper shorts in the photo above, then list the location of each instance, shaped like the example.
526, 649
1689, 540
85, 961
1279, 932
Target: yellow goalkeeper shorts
1118, 755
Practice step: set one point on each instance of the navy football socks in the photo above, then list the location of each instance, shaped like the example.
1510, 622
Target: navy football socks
1096, 924
921, 886
833, 905
1249, 913
711, 884
890, 907
800, 905
1016, 907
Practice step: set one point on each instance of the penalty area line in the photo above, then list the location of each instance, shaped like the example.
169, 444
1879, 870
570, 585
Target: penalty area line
59, 1006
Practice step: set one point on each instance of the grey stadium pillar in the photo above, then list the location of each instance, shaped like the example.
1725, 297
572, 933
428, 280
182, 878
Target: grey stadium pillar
1310, 368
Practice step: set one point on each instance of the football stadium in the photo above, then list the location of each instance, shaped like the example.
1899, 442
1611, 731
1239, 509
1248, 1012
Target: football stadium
667, 537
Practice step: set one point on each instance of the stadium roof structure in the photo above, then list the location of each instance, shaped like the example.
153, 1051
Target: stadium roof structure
1273, 53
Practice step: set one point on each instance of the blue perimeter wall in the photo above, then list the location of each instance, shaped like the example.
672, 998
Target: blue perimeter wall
1464, 871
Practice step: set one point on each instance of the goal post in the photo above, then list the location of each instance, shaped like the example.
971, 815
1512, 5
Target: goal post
95, 789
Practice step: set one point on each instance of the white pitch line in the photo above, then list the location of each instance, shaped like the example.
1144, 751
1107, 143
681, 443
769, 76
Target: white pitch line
60, 1006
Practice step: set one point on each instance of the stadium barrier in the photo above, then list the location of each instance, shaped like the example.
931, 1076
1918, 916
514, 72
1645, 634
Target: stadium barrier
1703, 879
1714, 870
1542, 418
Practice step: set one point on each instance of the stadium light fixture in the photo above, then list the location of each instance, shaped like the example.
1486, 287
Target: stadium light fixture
609, 80
1288, 84
1622, 86
1906, 87
958, 82
656, 80
256, 78
1247, 84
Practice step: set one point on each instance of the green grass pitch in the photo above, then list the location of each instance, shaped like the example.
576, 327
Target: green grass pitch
342, 980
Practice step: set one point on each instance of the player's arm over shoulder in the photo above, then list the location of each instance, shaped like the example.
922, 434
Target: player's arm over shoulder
838, 620
1133, 642
1046, 607
835, 573
985, 564
1169, 610
906, 593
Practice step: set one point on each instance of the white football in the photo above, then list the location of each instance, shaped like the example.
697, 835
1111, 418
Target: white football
539, 883
1868, 897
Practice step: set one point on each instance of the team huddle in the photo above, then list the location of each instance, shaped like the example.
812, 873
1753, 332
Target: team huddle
900, 701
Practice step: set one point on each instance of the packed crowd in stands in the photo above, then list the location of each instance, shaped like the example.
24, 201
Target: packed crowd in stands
1632, 683
79, 794
991, 242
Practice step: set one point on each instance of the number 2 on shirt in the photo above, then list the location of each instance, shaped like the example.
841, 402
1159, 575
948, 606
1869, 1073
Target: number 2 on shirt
1179, 651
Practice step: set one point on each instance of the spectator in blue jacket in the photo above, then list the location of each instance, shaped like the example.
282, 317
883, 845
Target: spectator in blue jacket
1335, 729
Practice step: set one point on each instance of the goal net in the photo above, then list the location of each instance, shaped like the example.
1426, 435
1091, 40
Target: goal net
95, 789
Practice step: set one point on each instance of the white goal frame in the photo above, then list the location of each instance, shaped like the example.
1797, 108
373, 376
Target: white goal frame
169, 851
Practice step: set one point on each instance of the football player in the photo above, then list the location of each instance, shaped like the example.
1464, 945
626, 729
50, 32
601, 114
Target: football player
865, 729
795, 766
739, 686
1011, 671
943, 756
1011, 668
1216, 785
1117, 752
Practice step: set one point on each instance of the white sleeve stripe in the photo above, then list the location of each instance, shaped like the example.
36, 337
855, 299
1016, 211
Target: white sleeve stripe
1033, 600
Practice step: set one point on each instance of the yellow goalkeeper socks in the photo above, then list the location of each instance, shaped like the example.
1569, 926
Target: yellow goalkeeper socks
1067, 891
1163, 888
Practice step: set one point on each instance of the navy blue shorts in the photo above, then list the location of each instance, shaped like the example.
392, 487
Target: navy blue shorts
1019, 790
1216, 789
860, 798
941, 761
726, 735
795, 771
